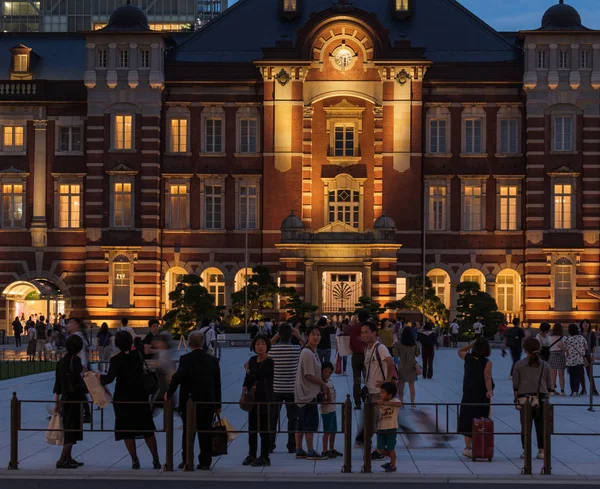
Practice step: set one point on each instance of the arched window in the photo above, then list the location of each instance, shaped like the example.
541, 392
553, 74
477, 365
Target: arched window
508, 292
172, 278
240, 278
563, 285
121, 284
474, 275
214, 281
440, 281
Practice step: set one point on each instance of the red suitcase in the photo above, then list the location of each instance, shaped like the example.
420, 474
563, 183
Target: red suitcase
483, 439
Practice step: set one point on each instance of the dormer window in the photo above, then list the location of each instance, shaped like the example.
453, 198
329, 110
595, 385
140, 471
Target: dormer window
289, 9
290, 5
401, 9
20, 68
21, 63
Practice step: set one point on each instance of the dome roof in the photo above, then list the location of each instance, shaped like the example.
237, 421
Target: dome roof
562, 17
384, 222
128, 18
291, 222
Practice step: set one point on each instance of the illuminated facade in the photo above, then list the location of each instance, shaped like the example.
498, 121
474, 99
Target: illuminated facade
401, 140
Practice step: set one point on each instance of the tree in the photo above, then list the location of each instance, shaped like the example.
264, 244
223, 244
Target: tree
473, 304
433, 307
192, 303
373, 308
298, 310
262, 289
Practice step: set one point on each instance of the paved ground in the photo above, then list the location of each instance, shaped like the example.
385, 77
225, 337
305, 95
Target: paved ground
575, 457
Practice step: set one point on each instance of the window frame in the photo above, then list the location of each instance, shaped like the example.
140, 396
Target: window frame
113, 132
509, 185
563, 59
564, 181
475, 184
541, 55
70, 126
436, 133
249, 121
585, 55
213, 113
4, 181
123, 55
245, 182
444, 199
169, 209
22, 57
212, 182
123, 179
175, 148
439, 113
247, 113
571, 140
473, 120
13, 149
145, 52
69, 182
517, 141
102, 55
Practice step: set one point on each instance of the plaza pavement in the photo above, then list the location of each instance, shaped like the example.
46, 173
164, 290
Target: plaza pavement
575, 458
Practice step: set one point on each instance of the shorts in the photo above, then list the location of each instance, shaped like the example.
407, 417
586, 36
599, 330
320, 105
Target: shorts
308, 419
386, 440
329, 422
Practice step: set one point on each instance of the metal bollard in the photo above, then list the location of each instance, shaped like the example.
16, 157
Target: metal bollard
592, 386
367, 434
168, 423
15, 418
190, 434
527, 420
548, 430
347, 426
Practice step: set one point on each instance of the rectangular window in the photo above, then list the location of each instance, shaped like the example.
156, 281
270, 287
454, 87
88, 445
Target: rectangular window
563, 299
102, 59
122, 205
563, 133
473, 136
123, 58
563, 59
213, 135
584, 59
505, 293
508, 207
248, 206
509, 136
344, 140
12, 205
121, 284
145, 58
69, 206
179, 131
123, 132
13, 139
344, 206
212, 205
216, 288
437, 208
69, 139
21, 63
178, 206
563, 206
540, 60
248, 129
472, 210
401, 285
437, 136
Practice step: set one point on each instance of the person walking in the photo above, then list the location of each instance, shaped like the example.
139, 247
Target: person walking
324, 348
357, 347
478, 328
132, 421
478, 388
543, 337
558, 358
514, 341
104, 344
532, 383
339, 331
454, 329
428, 340
31, 341
210, 338
586, 331
17, 331
198, 377
407, 351
148, 341
577, 350
42, 337
69, 391
259, 379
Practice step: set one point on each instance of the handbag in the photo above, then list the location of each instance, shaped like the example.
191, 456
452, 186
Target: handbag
149, 377
418, 368
343, 345
338, 364
248, 402
232, 433
532, 399
55, 434
219, 437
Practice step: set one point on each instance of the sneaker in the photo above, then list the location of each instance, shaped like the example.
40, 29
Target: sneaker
390, 468
358, 444
335, 453
583, 393
326, 455
249, 460
562, 393
377, 455
540, 455
202, 467
385, 466
300, 453
574, 394
312, 455
467, 452
261, 462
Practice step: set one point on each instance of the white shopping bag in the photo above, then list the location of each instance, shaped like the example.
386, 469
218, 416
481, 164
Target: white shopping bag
55, 437
100, 396
343, 345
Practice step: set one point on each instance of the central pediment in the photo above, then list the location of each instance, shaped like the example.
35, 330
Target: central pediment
337, 227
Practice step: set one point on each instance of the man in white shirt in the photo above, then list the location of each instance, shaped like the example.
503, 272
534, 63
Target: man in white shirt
209, 337
478, 328
454, 328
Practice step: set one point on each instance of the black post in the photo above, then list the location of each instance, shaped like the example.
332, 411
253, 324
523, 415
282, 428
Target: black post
347, 423
367, 434
190, 434
548, 430
14, 432
168, 423
527, 415
592, 384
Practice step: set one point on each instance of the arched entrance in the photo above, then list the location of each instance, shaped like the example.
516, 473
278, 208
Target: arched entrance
37, 296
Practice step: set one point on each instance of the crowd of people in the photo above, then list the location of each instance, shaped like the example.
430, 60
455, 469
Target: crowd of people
43, 335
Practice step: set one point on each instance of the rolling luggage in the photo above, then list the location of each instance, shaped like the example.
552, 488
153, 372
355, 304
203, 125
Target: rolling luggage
483, 439
446, 341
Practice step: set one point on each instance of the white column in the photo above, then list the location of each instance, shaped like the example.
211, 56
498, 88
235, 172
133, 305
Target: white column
575, 77
39, 227
308, 281
596, 67
553, 74
530, 79
89, 77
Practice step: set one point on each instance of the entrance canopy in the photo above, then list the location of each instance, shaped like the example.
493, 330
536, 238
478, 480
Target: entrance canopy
20, 290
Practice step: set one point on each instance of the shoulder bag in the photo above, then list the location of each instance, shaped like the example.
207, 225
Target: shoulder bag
532, 399
149, 377
249, 400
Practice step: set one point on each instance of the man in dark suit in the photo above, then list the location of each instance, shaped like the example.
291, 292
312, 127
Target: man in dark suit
198, 376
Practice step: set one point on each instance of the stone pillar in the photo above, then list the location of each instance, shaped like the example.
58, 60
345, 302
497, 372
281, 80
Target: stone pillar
132, 75
530, 80
308, 281
228, 291
367, 275
553, 74
39, 227
575, 77
111, 75
89, 76
596, 67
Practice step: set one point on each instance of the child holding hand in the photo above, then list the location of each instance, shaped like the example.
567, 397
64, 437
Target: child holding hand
387, 431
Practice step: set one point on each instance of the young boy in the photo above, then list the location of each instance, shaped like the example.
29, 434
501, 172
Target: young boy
328, 414
387, 430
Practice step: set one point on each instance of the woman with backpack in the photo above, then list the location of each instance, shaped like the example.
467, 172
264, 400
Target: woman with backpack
558, 359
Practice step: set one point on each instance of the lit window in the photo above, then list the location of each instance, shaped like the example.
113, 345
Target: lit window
178, 207
344, 140
473, 136
123, 58
437, 136
145, 58
248, 136
508, 207
506, 293
563, 59
472, 208
19, 8
437, 208
509, 136
69, 139
12, 205
69, 206
563, 285
102, 59
440, 282
13, 139
474, 276
563, 206
248, 207
344, 206
563, 133
213, 201
123, 132
122, 204
216, 288
401, 285
213, 135
402, 5
290, 5
540, 60
21, 63
179, 130
121, 290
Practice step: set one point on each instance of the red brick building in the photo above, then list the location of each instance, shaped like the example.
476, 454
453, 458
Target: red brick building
406, 137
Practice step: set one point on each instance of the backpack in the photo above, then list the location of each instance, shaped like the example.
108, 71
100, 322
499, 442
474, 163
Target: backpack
206, 345
512, 338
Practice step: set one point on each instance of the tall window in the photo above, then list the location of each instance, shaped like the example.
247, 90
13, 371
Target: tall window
21, 63
122, 204
216, 288
102, 59
145, 58
440, 282
70, 139
563, 206
509, 136
563, 133
472, 208
123, 132
437, 208
563, 59
212, 204
12, 205
584, 59
437, 136
248, 206
540, 60
401, 286
344, 206
508, 207
13, 139
248, 136
121, 296
473, 136
123, 58
563, 286
506, 292
344, 140
178, 206
213, 135
69, 206
179, 135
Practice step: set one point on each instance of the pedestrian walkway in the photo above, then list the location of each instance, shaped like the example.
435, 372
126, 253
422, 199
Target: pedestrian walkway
573, 456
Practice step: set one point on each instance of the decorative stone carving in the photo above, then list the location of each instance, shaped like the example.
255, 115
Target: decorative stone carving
40, 125
402, 77
378, 111
283, 77
308, 111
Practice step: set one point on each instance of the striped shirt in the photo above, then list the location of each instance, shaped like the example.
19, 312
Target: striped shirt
285, 357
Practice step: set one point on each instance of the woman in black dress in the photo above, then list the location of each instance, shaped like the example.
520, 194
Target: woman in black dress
136, 419
259, 376
478, 388
69, 387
